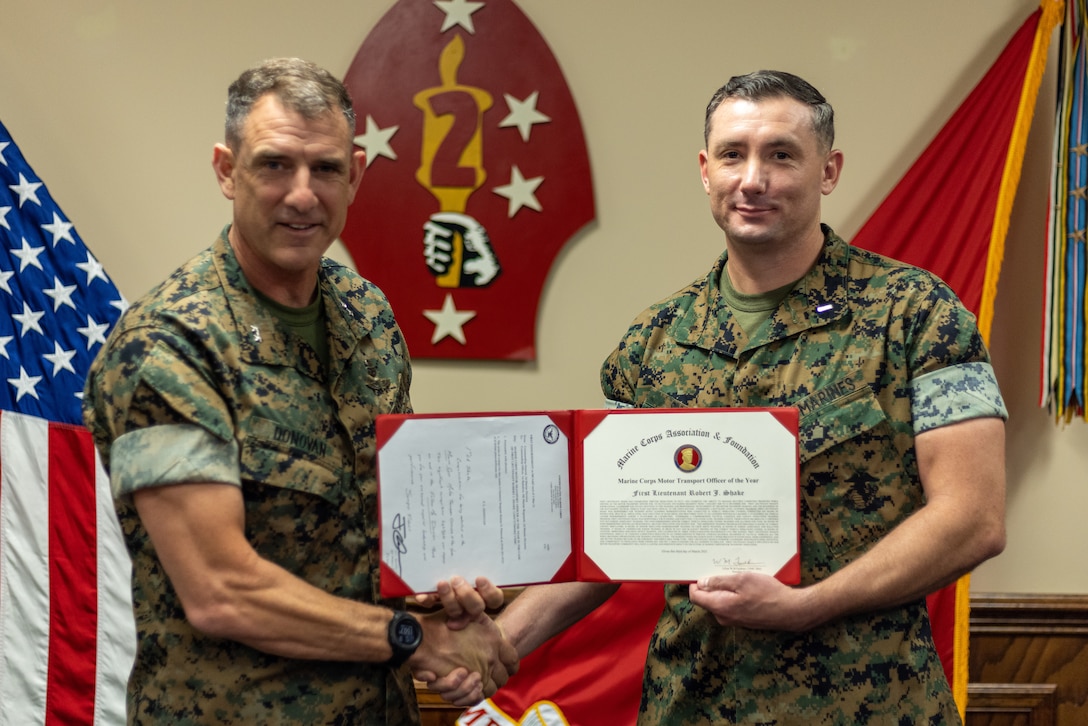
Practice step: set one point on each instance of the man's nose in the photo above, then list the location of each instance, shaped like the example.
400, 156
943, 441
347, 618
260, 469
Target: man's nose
301, 196
754, 176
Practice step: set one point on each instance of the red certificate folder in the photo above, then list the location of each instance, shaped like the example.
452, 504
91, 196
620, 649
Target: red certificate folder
587, 495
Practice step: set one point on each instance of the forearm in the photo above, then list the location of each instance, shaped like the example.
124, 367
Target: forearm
228, 591
915, 559
324, 627
922, 555
961, 525
542, 611
268, 608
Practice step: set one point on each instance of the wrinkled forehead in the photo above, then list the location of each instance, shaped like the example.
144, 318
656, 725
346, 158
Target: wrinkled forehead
271, 106
271, 118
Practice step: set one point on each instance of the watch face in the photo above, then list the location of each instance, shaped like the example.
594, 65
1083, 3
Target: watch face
407, 632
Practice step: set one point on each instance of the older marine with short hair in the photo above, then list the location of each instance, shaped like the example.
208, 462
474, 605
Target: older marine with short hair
234, 407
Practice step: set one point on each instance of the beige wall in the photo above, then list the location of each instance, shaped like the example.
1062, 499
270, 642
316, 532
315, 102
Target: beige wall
117, 105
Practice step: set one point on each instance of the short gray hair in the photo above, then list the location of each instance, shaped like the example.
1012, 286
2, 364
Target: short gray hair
301, 85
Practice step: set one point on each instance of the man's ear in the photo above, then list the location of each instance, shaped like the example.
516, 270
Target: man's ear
223, 163
832, 171
357, 166
703, 162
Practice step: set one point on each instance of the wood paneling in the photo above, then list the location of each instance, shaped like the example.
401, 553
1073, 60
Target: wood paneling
1028, 661
433, 711
1009, 704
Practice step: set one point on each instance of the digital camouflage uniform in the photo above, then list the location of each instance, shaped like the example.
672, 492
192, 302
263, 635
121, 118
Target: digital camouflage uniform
872, 352
199, 382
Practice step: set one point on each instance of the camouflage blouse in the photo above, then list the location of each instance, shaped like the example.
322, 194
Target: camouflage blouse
872, 352
200, 382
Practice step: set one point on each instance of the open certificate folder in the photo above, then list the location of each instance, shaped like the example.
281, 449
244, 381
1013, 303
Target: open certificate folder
666, 495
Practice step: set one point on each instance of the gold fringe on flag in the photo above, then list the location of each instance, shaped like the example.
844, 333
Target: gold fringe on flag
1051, 17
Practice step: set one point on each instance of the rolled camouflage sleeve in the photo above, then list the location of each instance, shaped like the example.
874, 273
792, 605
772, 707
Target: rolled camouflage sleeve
173, 454
156, 418
952, 379
955, 393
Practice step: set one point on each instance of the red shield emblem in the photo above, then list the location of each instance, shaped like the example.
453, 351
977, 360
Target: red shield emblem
477, 174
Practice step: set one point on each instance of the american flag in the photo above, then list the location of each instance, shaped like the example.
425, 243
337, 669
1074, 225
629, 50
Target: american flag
59, 302
66, 631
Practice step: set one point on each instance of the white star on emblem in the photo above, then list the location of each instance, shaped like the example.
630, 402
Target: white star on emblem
93, 268
28, 256
520, 191
4, 340
28, 319
375, 140
61, 359
26, 190
4, 145
523, 114
458, 12
25, 384
94, 332
59, 229
121, 304
4, 217
449, 321
4, 277
61, 294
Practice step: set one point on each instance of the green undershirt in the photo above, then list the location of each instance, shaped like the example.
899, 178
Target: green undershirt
307, 323
751, 310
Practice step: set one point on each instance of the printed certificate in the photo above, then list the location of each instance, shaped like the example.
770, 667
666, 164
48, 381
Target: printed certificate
684, 493
619, 495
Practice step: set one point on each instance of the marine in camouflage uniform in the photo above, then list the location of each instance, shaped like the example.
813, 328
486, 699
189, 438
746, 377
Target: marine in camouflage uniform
872, 352
200, 382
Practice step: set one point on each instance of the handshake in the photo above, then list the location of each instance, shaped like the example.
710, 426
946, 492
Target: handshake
464, 656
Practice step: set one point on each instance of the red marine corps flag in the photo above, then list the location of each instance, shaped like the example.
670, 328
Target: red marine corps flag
477, 173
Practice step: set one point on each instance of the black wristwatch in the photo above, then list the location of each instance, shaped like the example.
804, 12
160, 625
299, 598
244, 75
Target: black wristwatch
405, 635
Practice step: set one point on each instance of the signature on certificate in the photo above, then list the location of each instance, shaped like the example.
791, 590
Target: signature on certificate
737, 564
400, 530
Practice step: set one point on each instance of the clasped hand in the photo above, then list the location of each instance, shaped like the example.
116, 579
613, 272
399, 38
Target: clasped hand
465, 655
756, 601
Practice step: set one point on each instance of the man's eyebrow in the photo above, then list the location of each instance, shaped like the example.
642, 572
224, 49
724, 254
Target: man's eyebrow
268, 155
776, 141
791, 142
334, 161
726, 144
261, 156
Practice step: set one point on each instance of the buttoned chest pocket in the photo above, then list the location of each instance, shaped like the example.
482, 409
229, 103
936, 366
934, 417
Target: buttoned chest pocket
298, 507
852, 475
279, 454
303, 516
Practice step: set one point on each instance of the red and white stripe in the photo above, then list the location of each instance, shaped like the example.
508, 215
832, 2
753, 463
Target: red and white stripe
67, 636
